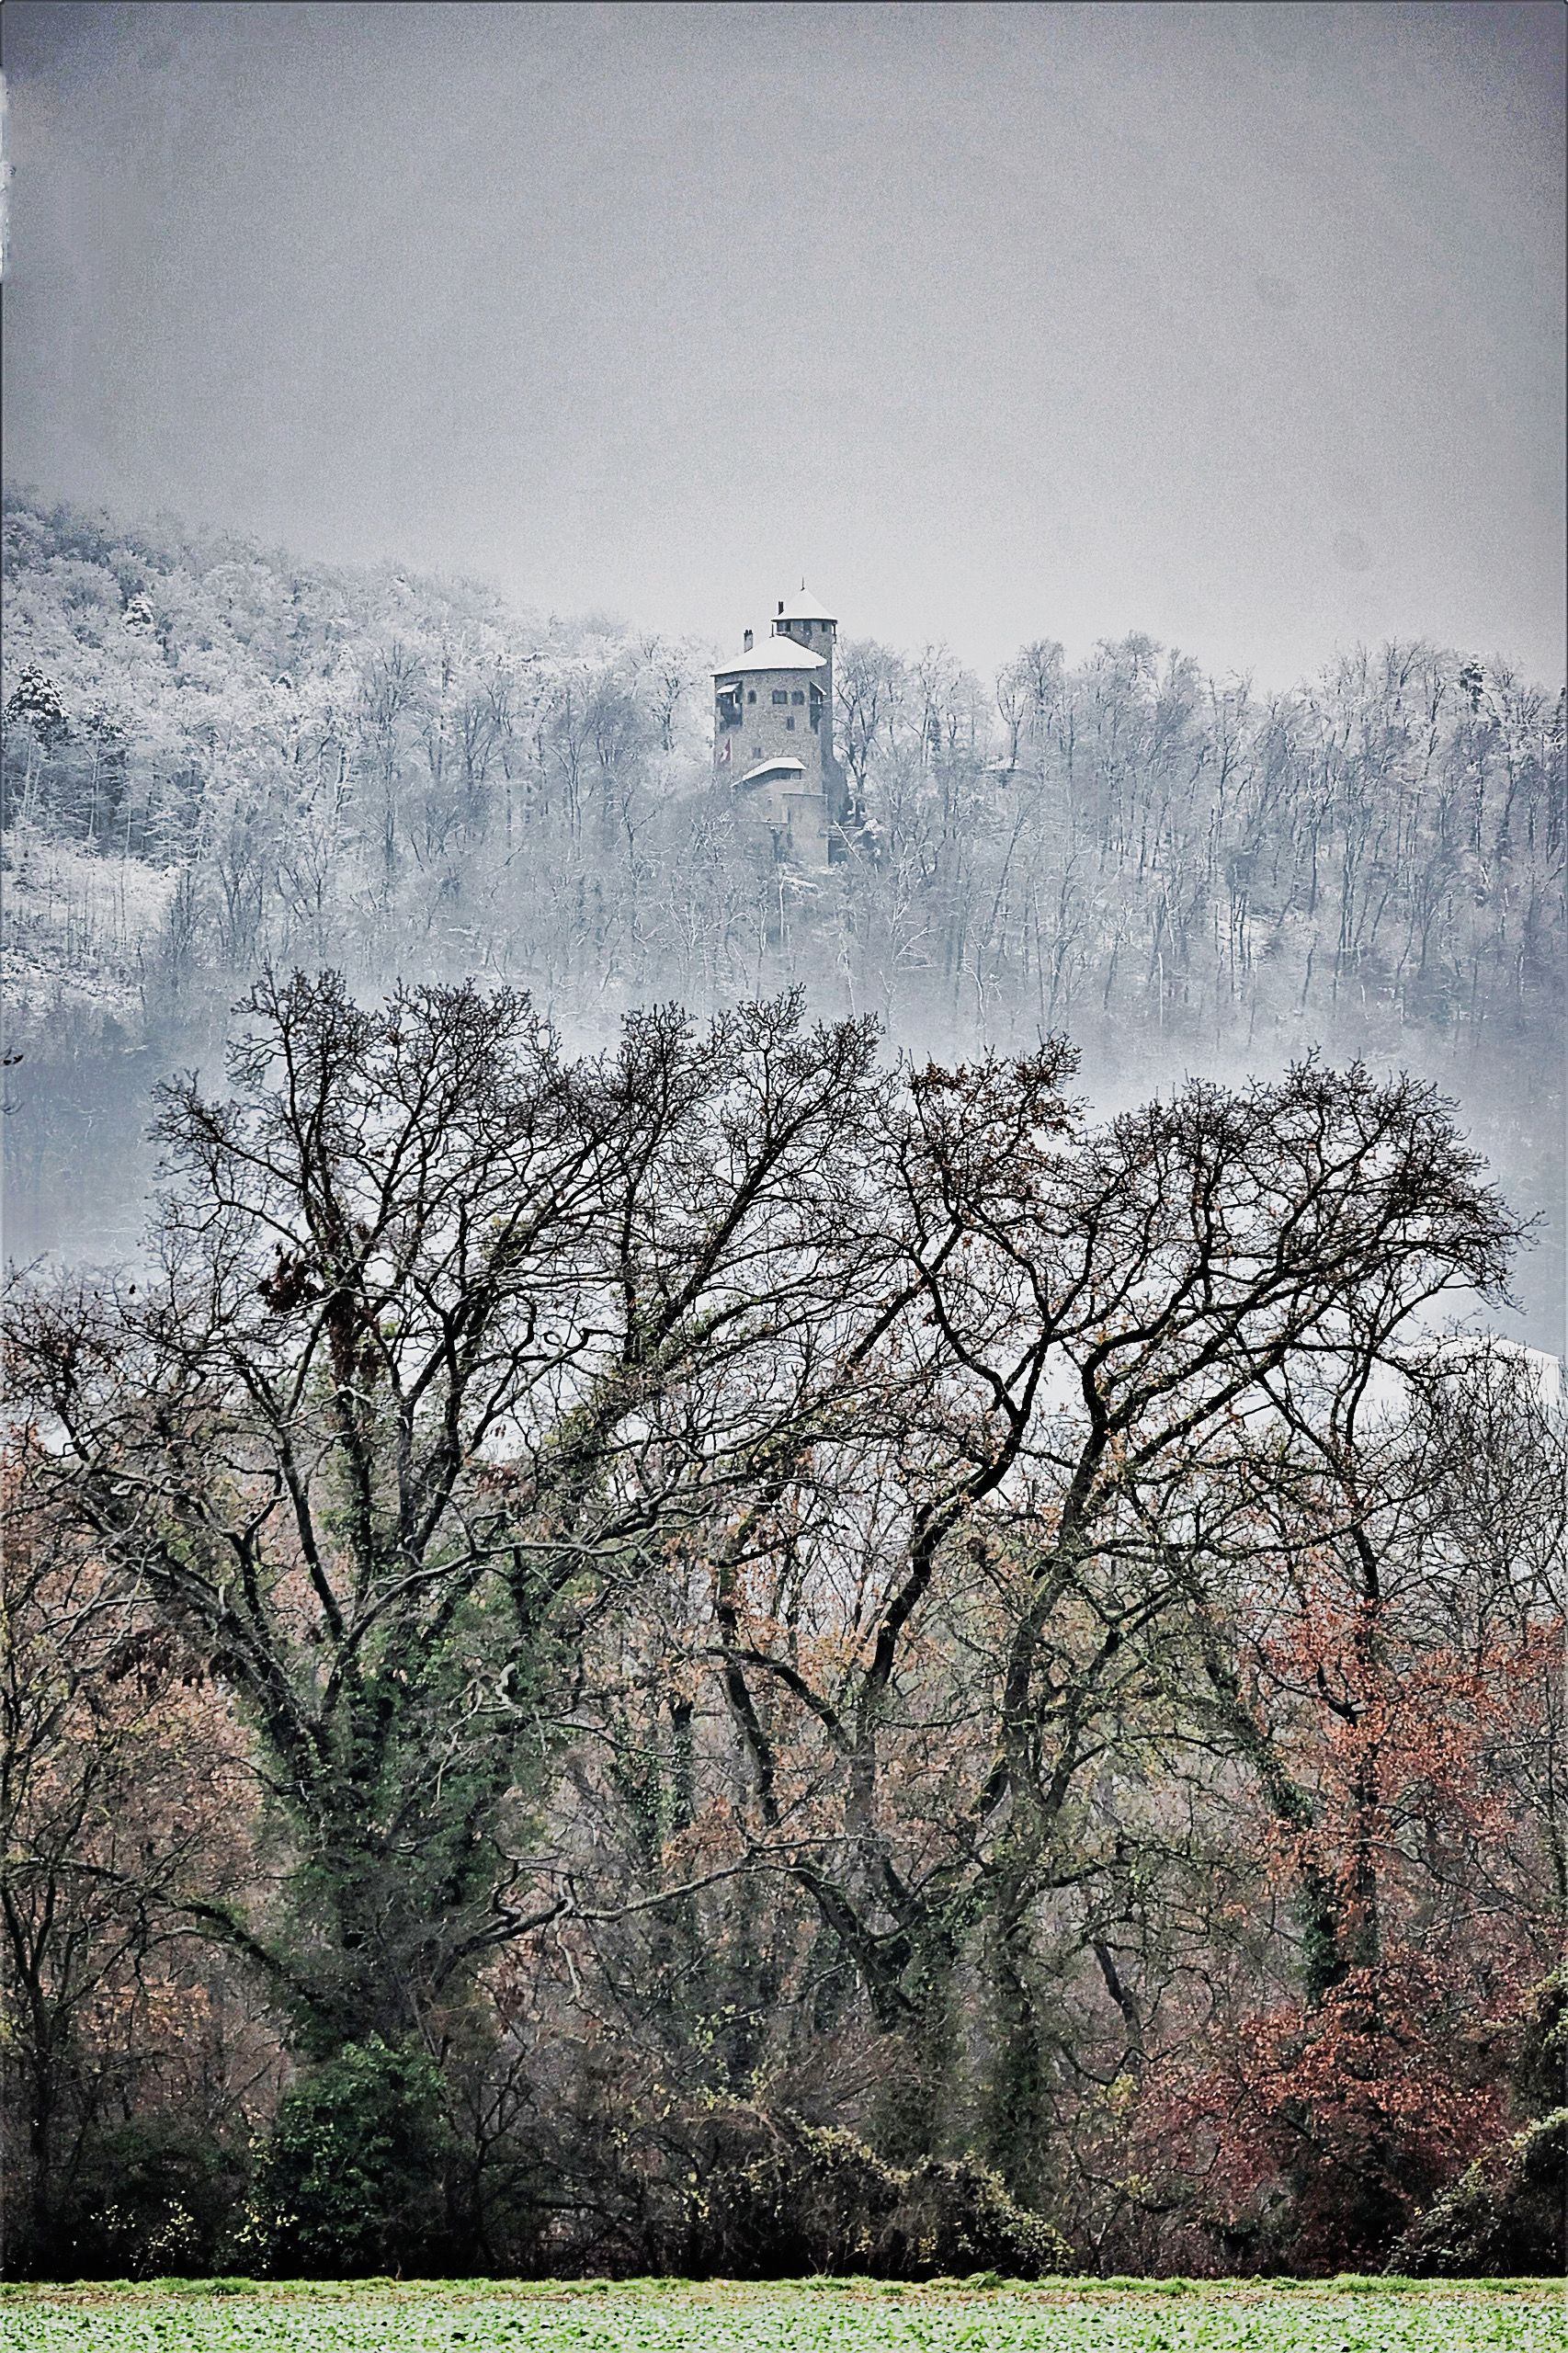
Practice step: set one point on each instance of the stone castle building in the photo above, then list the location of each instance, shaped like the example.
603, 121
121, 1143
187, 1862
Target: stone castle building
773, 734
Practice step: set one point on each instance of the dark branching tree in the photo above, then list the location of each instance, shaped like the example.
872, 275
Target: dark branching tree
443, 1336
1098, 1323
764, 1518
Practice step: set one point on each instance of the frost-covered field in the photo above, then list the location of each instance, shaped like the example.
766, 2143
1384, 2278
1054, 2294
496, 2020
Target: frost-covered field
805, 2316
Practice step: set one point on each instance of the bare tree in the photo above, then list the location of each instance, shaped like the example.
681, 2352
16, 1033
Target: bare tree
443, 1338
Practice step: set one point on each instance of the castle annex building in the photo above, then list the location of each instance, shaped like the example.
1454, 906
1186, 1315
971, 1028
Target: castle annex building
773, 734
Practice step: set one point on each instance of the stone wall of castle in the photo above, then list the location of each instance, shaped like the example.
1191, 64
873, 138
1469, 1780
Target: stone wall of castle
775, 730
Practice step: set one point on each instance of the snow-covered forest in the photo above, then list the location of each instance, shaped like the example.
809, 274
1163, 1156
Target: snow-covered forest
218, 758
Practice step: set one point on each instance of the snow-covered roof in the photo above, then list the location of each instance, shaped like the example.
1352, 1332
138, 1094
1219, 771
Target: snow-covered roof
773, 654
774, 768
804, 608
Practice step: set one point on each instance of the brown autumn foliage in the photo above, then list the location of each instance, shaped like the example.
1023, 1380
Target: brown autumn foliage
730, 1656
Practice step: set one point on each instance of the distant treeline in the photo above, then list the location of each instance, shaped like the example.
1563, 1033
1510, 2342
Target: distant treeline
394, 772
216, 757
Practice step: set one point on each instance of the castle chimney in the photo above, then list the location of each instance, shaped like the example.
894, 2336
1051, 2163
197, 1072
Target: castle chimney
746, 648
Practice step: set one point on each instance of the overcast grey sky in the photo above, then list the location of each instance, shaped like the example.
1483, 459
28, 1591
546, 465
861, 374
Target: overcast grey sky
1238, 324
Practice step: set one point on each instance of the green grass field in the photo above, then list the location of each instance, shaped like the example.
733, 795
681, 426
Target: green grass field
803, 2317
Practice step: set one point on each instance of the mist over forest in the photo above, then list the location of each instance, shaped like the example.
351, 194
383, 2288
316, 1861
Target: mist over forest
218, 759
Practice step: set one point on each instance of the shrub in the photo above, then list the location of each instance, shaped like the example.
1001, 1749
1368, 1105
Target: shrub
352, 2179
958, 2217
773, 2196
151, 2198
1503, 2216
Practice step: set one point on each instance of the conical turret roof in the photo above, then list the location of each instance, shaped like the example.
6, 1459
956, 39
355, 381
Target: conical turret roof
804, 608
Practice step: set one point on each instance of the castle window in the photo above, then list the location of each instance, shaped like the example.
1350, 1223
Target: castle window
780, 694
790, 724
751, 694
797, 696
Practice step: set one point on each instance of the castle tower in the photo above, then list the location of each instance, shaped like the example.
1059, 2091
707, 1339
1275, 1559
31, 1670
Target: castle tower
773, 731
808, 624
